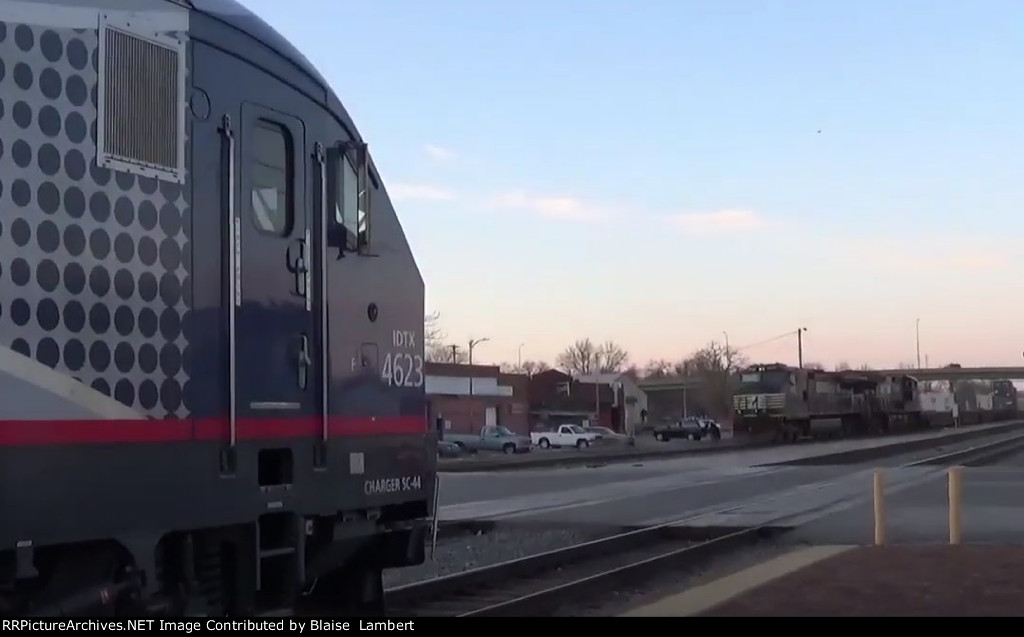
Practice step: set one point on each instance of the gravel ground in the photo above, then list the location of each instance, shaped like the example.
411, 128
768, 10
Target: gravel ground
463, 552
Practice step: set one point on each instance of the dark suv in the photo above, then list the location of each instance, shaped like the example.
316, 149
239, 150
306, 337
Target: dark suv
692, 427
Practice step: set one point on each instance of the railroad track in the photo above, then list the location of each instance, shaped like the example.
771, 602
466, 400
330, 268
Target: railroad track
539, 584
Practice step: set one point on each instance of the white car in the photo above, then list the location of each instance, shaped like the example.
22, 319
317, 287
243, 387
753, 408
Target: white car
564, 436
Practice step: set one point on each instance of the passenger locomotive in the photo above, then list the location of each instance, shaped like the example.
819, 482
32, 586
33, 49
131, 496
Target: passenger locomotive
211, 356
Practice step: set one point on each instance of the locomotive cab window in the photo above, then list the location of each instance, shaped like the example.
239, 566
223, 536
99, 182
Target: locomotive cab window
349, 193
271, 177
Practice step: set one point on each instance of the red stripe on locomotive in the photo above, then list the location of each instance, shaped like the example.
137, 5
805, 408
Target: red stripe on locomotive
78, 432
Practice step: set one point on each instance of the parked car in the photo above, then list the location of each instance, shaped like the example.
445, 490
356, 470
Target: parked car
608, 436
564, 436
491, 438
693, 428
447, 449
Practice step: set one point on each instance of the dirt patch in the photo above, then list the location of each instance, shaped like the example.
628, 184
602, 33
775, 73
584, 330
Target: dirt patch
922, 581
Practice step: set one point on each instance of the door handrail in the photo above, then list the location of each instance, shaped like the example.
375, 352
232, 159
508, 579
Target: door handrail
234, 234
325, 368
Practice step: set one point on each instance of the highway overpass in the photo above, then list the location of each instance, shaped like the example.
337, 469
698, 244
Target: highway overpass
961, 373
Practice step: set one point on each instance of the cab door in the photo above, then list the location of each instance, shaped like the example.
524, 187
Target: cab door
275, 350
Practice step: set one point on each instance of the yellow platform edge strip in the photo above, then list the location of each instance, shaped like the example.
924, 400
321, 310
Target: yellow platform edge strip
707, 596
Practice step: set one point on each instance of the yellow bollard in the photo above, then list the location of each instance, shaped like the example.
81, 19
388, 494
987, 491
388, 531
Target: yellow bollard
956, 491
879, 509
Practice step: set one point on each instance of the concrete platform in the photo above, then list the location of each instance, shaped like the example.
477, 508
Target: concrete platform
838, 581
703, 598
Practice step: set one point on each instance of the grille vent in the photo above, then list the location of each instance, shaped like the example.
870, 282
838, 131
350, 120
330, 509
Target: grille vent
141, 109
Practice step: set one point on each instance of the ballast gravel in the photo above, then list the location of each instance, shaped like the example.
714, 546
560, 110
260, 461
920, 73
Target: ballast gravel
459, 553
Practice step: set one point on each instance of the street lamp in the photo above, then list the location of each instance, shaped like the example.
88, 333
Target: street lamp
726, 355
917, 339
520, 361
473, 343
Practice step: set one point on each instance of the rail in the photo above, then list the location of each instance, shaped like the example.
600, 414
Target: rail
978, 454
537, 584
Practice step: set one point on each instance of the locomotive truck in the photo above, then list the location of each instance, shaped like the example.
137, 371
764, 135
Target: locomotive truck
211, 323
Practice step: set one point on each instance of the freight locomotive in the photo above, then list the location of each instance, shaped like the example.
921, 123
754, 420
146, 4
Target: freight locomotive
785, 403
1004, 400
211, 356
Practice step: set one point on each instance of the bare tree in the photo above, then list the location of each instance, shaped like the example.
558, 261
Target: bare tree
584, 357
633, 372
432, 332
658, 369
611, 357
527, 367
714, 366
817, 366
535, 367
434, 347
444, 353
578, 358
865, 368
715, 357
842, 366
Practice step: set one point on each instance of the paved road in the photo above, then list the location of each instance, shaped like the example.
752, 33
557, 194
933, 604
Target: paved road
642, 500
652, 450
993, 511
458, 488
646, 445
659, 490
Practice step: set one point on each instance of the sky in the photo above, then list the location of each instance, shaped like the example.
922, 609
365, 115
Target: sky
662, 173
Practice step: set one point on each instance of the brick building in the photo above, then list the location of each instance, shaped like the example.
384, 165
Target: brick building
617, 401
468, 397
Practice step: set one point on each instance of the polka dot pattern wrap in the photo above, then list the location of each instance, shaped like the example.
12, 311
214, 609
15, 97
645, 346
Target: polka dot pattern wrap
95, 264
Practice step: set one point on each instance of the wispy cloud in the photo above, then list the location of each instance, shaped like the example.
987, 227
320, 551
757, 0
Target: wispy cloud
439, 153
420, 192
560, 207
717, 222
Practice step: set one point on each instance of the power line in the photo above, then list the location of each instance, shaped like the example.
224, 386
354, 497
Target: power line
767, 340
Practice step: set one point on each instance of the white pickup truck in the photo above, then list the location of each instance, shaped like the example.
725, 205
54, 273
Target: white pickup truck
564, 436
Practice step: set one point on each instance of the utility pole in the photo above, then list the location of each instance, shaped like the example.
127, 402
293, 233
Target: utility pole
473, 343
455, 349
917, 338
800, 346
520, 363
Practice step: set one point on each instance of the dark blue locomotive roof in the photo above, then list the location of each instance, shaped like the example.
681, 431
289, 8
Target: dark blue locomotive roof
237, 16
